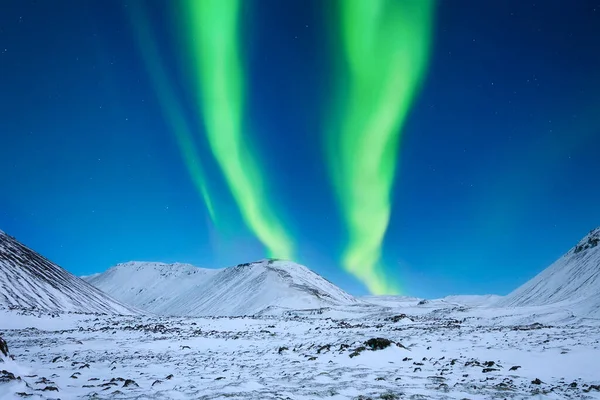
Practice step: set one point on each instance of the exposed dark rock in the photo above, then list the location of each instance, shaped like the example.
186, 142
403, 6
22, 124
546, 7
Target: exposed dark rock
169, 377
325, 347
536, 381
514, 368
3, 347
156, 382
357, 351
531, 327
592, 387
129, 383
397, 318
378, 343
486, 370
6, 376
282, 349
50, 389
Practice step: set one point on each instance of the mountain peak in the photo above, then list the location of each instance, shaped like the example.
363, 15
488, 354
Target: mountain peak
28, 280
244, 289
591, 240
573, 280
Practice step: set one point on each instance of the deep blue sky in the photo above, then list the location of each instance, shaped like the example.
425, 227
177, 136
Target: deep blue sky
498, 169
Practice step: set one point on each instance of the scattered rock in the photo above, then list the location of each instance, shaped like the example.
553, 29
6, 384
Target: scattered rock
322, 348
129, 383
378, 343
397, 318
3, 347
6, 376
357, 351
592, 387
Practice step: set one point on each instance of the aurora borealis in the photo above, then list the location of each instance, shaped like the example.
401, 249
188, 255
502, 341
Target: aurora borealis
386, 48
213, 36
393, 146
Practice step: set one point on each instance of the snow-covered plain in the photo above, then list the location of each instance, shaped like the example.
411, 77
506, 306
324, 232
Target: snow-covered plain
440, 350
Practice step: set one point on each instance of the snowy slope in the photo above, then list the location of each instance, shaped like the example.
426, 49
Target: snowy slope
180, 289
28, 280
150, 285
473, 300
572, 282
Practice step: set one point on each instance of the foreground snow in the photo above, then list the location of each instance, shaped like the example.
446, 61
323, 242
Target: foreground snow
440, 351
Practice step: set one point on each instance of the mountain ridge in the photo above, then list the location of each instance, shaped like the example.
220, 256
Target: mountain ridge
244, 289
572, 281
29, 280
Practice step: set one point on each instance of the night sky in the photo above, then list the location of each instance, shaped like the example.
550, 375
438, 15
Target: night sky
494, 175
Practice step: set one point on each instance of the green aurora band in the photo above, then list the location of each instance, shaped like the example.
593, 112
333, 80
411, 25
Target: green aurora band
213, 37
172, 108
386, 47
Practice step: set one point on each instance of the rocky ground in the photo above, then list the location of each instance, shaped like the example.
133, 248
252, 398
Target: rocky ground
420, 351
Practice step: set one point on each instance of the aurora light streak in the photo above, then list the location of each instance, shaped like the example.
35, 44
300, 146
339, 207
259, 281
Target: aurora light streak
385, 48
171, 106
212, 31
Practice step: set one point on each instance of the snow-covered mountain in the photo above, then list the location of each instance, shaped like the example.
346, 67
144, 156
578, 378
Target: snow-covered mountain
246, 289
573, 281
150, 286
28, 280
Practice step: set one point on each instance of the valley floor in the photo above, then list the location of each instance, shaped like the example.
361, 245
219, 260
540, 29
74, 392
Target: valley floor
439, 351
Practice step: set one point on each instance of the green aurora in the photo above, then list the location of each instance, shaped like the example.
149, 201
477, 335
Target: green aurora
171, 106
385, 51
213, 39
